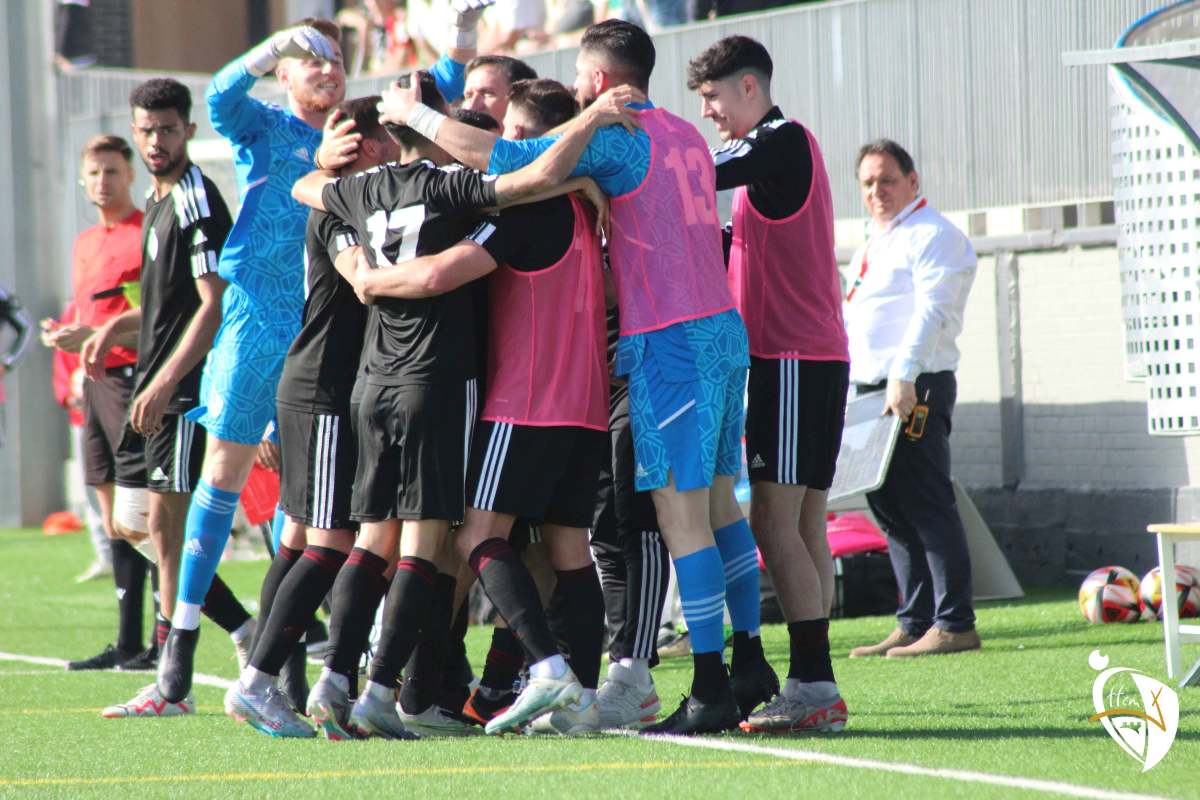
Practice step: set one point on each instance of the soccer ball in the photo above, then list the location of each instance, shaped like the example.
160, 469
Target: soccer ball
1187, 591
1110, 594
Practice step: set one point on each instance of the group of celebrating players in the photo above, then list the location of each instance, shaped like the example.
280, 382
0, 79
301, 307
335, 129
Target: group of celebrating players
504, 342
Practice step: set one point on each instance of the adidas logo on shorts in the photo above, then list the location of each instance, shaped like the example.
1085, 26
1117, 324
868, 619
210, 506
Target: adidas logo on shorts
158, 474
758, 462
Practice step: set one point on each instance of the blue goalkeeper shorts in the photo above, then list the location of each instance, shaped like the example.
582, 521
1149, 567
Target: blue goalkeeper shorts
687, 388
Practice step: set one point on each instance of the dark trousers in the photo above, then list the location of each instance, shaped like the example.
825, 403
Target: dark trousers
916, 508
629, 549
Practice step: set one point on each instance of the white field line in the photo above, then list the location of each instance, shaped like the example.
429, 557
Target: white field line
963, 776
199, 677
960, 775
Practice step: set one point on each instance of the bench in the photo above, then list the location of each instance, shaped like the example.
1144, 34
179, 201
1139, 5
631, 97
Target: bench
1175, 633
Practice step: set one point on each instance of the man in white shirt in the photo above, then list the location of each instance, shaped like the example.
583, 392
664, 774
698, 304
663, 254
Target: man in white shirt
903, 312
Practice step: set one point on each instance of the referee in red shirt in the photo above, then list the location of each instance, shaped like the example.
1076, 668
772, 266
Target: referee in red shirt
104, 258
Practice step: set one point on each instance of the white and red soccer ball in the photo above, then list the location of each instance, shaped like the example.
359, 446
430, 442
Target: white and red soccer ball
1110, 594
1186, 592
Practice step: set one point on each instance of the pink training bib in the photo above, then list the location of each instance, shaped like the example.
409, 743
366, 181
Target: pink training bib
665, 250
547, 348
783, 276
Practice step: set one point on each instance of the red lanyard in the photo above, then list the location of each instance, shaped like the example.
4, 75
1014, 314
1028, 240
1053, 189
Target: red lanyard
862, 272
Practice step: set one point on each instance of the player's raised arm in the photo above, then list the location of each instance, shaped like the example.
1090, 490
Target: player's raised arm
234, 113
401, 105
450, 70
557, 163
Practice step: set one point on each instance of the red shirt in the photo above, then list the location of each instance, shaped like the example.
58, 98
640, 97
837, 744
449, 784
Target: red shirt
103, 258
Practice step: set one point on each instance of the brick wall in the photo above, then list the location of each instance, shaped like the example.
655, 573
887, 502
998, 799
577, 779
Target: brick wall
1085, 424
976, 437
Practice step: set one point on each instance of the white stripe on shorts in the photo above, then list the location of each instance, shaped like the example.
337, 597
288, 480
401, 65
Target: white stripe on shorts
324, 470
185, 432
789, 386
469, 429
493, 466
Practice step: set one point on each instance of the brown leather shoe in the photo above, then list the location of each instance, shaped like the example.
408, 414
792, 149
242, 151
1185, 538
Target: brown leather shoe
938, 642
897, 638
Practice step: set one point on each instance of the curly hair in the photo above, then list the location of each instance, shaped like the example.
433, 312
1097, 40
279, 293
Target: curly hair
160, 94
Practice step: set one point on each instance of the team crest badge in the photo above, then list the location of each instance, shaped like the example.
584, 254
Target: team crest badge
1140, 713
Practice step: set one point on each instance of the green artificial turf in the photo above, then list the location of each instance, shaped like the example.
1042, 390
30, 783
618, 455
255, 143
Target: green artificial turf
1019, 707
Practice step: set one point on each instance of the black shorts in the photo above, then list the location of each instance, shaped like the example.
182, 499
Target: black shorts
317, 459
621, 510
167, 461
794, 419
547, 474
523, 534
105, 409
412, 451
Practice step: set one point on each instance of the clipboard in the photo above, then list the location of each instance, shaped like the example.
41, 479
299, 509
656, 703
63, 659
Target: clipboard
868, 441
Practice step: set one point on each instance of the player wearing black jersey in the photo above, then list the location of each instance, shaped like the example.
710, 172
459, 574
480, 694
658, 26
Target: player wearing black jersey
418, 404
784, 280
319, 452
539, 445
185, 224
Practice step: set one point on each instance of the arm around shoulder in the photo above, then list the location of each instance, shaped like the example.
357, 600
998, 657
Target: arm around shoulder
309, 189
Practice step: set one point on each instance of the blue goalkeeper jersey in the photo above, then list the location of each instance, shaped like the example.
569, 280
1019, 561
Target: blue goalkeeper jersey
272, 149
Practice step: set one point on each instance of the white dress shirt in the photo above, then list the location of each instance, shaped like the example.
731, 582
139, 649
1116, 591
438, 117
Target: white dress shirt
905, 311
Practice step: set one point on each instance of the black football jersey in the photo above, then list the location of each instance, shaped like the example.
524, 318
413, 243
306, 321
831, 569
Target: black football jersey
182, 237
773, 161
401, 212
322, 363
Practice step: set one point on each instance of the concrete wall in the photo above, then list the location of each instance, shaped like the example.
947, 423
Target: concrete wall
30, 197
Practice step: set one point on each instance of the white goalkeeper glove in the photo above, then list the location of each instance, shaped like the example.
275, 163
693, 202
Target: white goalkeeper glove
299, 42
466, 17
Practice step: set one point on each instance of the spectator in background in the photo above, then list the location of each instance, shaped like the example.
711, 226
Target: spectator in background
654, 15
73, 35
381, 35
903, 313
13, 316
514, 22
710, 9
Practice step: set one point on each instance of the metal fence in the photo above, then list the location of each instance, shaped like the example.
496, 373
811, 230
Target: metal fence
975, 88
